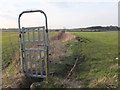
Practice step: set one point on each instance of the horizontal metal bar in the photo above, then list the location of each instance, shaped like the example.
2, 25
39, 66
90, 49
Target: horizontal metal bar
31, 49
34, 27
34, 75
44, 45
34, 41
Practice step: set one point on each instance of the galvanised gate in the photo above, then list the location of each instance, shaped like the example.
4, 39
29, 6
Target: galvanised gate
34, 48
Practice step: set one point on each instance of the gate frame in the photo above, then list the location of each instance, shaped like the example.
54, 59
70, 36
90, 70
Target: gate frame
20, 39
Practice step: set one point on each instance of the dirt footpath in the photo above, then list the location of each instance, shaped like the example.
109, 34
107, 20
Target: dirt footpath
56, 46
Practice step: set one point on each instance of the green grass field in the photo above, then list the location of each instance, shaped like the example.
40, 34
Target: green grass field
99, 67
97, 53
10, 46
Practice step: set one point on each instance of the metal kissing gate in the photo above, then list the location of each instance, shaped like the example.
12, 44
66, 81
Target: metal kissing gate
34, 60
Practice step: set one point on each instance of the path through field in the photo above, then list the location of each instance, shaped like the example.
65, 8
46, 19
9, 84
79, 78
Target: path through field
56, 49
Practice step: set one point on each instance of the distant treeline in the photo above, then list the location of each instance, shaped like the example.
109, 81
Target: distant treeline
95, 28
113, 28
9, 29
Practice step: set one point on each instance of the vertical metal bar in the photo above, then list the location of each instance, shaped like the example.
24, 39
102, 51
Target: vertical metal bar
24, 46
31, 63
27, 61
41, 65
45, 38
38, 34
28, 35
20, 43
45, 61
33, 35
45, 56
44, 35
35, 63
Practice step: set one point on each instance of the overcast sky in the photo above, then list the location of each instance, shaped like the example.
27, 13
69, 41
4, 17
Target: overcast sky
60, 13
